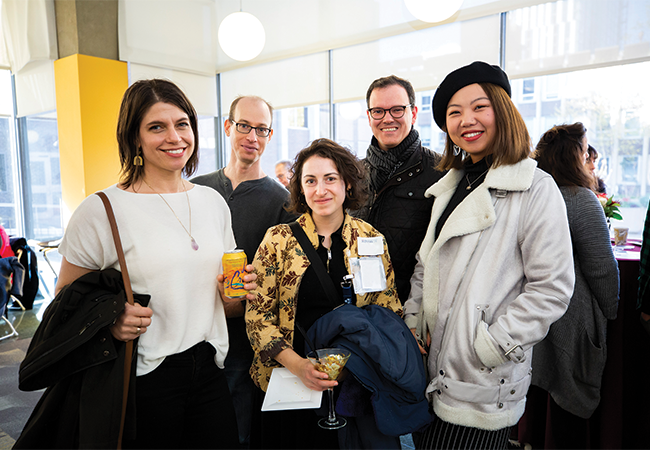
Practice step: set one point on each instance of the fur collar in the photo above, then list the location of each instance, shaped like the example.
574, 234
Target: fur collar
476, 212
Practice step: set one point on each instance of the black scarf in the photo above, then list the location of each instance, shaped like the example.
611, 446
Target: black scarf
384, 163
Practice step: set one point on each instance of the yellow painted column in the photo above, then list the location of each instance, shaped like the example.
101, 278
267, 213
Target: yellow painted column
88, 95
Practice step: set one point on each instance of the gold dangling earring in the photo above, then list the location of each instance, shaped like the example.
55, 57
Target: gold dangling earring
137, 160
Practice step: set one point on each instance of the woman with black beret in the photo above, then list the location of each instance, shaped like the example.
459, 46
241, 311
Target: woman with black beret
495, 269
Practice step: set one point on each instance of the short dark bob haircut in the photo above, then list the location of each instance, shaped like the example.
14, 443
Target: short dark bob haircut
560, 153
348, 166
137, 100
511, 142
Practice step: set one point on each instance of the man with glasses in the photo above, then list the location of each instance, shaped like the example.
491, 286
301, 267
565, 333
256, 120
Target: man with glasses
399, 171
256, 202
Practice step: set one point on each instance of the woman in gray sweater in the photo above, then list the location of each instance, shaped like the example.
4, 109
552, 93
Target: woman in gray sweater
569, 362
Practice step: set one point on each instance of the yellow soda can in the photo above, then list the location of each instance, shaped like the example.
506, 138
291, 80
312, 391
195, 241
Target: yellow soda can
234, 269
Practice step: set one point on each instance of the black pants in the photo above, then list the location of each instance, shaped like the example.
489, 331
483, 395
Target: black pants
291, 429
185, 403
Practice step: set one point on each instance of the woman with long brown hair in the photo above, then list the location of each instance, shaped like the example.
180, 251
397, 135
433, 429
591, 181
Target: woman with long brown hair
569, 362
174, 234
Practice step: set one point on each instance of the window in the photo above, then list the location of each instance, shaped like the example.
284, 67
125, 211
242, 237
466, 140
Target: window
43, 219
426, 103
614, 114
528, 89
9, 211
352, 127
207, 146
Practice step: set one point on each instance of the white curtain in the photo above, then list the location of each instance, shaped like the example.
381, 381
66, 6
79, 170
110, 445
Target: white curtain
172, 34
29, 49
423, 57
570, 35
35, 88
290, 82
200, 89
29, 31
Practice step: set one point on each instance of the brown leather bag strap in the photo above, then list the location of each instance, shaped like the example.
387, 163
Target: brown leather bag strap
129, 295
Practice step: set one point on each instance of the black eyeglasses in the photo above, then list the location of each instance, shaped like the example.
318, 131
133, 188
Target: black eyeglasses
245, 129
396, 111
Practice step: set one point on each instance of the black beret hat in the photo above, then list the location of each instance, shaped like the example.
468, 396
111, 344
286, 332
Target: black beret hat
477, 72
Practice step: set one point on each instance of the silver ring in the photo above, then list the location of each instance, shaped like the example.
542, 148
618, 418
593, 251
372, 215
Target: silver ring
137, 330
140, 321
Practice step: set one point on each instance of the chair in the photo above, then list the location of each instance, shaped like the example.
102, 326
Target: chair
45, 247
11, 278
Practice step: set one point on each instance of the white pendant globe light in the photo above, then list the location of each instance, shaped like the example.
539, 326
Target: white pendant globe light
433, 10
241, 36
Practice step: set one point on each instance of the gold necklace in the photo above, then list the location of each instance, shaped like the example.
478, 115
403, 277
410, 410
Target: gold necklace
195, 246
469, 185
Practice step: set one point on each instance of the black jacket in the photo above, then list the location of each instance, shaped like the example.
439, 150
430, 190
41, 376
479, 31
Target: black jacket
401, 212
75, 357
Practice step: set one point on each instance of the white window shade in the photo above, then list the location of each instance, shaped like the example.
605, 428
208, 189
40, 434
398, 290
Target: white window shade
290, 82
200, 89
29, 31
423, 57
299, 27
4, 56
180, 35
6, 98
576, 34
35, 90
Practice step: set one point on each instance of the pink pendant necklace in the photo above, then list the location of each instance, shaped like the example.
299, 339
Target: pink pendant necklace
195, 246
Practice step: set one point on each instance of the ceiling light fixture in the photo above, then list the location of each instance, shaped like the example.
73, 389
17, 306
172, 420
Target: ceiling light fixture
241, 36
433, 10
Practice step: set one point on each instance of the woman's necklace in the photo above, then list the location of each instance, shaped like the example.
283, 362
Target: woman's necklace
195, 246
469, 184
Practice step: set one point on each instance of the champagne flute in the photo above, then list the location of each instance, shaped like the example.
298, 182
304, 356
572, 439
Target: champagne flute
330, 361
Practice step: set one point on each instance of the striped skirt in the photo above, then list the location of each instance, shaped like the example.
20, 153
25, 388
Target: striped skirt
444, 435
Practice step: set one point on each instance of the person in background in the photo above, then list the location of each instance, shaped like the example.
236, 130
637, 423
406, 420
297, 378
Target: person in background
398, 170
643, 302
174, 234
598, 184
327, 180
256, 202
283, 172
495, 269
569, 362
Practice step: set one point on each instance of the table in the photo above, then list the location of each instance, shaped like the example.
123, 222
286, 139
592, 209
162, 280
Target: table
622, 420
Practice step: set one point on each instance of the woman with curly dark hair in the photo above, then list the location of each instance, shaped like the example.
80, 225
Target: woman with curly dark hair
569, 362
327, 179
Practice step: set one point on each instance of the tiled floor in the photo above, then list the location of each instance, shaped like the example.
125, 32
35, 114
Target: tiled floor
16, 405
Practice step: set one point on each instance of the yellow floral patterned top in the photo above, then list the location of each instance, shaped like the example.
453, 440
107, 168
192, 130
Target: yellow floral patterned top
280, 264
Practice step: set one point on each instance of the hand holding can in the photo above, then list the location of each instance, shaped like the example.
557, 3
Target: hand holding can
234, 269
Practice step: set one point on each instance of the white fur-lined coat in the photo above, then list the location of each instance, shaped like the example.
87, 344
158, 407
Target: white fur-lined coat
500, 273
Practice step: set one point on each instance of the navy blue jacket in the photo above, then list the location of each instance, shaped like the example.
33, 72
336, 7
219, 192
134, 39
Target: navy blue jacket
385, 359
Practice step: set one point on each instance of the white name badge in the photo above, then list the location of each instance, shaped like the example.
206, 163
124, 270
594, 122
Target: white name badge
370, 246
369, 274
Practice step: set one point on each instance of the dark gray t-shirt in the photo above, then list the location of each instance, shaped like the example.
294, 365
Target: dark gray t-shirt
255, 206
